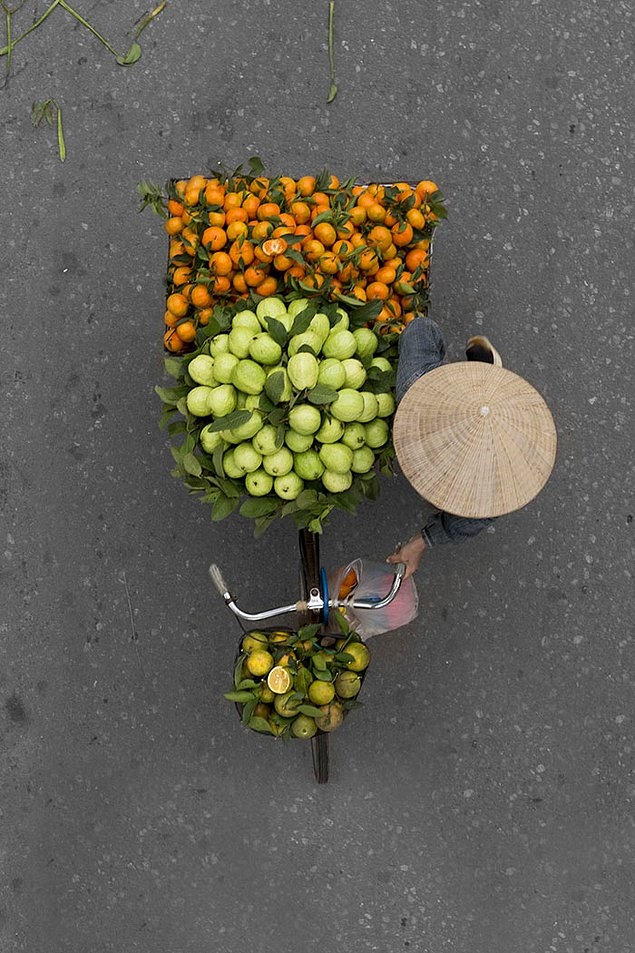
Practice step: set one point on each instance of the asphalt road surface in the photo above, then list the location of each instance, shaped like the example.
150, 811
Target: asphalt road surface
482, 799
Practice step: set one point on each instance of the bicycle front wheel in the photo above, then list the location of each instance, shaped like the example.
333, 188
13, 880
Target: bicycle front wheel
310, 579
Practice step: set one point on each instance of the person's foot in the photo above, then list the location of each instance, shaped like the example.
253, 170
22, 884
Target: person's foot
480, 348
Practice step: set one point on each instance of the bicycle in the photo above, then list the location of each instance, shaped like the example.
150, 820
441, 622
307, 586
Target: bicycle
313, 606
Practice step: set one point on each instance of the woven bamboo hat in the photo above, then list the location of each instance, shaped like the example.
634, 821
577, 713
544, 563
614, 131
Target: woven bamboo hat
474, 440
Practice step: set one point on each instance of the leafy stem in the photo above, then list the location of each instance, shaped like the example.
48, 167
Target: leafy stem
125, 59
333, 89
44, 111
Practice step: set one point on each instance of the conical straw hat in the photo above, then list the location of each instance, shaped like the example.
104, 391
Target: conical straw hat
474, 440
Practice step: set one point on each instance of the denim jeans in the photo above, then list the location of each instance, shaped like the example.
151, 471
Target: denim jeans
422, 348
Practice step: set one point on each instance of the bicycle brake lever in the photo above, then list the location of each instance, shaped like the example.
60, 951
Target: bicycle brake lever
218, 580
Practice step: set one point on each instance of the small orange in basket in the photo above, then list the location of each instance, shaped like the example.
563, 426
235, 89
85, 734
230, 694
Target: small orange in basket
377, 289
288, 186
381, 236
197, 182
386, 274
282, 262
174, 225
261, 230
178, 304
232, 200
300, 211
306, 185
241, 253
172, 342
181, 275
267, 211
214, 238
200, 297
215, 194
254, 276
357, 215
174, 207
313, 249
368, 260
221, 285
220, 263
237, 230
416, 218
426, 187
205, 314
250, 205
416, 257
186, 330
269, 286
238, 283
376, 212
325, 233
328, 263
402, 234
274, 246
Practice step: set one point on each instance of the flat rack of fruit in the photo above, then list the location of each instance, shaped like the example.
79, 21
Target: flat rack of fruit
285, 300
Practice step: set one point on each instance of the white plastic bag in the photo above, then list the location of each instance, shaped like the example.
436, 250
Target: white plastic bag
364, 579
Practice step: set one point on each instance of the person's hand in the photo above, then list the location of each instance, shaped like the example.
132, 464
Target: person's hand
409, 553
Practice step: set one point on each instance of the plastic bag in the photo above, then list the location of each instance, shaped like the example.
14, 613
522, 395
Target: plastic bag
364, 579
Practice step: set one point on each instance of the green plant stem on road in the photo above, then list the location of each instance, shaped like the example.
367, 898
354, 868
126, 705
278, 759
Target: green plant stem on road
125, 59
44, 111
333, 89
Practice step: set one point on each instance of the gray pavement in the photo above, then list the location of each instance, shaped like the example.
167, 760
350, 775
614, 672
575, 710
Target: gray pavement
482, 800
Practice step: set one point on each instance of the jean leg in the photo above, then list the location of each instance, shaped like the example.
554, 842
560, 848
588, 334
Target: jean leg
421, 348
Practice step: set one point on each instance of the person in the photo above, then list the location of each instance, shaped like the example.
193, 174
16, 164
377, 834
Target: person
457, 429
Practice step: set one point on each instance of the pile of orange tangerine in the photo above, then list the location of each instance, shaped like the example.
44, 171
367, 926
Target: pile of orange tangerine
249, 236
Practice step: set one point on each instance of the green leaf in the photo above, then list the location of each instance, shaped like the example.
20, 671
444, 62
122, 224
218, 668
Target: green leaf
256, 507
323, 675
256, 166
342, 622
303, 320
262, 524
367, 311
174, 367
191, 464
248, 710
276, 417
302, 680
217, 460
248, 683
238, 669
321, 394
311, 711
176, 427
277, 331
240, 697
257, 723
229, 421
223, 507
171, 395
274, 386
133, 54
326, 216
309, 631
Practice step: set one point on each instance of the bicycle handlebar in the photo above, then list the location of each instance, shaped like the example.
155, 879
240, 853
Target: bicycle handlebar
315, 601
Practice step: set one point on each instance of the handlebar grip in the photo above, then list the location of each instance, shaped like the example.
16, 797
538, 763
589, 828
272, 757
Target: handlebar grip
217, 579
